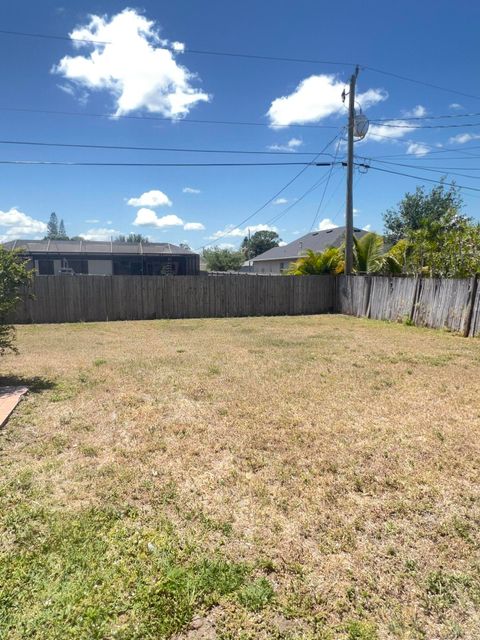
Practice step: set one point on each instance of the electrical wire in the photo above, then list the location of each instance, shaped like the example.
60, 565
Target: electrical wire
390, 125
160, 164
253, 56
436, 117
134, 148
109, 116
444, 170
325, 188
409, 175
270, 200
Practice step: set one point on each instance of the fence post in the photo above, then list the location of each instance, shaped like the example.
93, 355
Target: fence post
416, 293
470, 306
367, 296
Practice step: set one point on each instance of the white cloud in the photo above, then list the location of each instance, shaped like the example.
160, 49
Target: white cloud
367, 227
389, 131
20, 225
280, 201
296, 233
153, 198
235, 232
463, 138
455, 106
417, 149
92, 221
190, 190
100, 234
282, 243
130, 61
315, 98
325, 224
193, 226
417, 112
148, 218
291, 145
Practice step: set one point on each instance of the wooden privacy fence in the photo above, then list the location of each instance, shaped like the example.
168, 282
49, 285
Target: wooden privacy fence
427, 302
98, 298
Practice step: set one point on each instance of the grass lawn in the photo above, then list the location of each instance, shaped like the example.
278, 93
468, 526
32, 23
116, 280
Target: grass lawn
301, 477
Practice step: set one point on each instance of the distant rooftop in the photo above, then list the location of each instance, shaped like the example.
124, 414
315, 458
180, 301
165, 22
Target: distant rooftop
316, 241
95, 247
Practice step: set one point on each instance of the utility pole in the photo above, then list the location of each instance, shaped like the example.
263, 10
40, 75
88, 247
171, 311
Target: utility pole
349, 204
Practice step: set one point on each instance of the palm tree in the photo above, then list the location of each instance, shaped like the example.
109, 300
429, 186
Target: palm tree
369, 256
328, 261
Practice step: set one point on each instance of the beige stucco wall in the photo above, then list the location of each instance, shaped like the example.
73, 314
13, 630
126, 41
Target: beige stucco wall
276, 267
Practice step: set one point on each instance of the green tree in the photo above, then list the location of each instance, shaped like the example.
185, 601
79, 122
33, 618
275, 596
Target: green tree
62, 234
52, 227
132, 238
13, 275
219, 259
259, 242
370, 257
416, 210
447, 248
317, 263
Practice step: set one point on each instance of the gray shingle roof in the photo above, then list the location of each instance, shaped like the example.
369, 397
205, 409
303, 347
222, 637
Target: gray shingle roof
95, 247
317, 241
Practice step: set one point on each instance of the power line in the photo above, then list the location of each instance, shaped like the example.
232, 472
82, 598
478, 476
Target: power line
231, 54
161, 164
443, 170
109, 116
134, 148
426, 126
325, 188
270, 200
409, 175
422, 82
315, 185
436, 117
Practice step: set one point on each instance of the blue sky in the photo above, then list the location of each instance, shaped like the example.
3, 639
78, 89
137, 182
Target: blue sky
140, 74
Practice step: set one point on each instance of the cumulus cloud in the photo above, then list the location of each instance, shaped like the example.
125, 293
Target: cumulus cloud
463, 138
455, 105
280, 201
236, 232
191, 190
100, 234
417, 149
194, 226
291, 145
389, 131
148, 218
154, 198
367, 227
316, 98
125, 56
326, 223
417, 112
20, 225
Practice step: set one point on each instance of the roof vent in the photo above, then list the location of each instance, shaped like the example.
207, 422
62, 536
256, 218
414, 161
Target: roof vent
328, 230
315, 233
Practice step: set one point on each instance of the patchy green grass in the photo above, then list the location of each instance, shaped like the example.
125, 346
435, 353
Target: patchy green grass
286, 478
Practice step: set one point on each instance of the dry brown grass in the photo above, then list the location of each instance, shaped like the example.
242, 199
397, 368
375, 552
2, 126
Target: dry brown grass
338, 456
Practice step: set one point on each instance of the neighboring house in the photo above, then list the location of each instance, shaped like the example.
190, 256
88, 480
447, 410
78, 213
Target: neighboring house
279, 259
88, 257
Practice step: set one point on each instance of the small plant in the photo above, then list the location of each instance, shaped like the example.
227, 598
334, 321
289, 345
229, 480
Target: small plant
14, 275
257, 595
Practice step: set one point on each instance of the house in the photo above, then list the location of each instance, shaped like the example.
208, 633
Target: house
278, 259
88, 257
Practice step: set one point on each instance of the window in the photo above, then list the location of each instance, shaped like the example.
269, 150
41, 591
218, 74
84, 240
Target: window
77, 266
46, 268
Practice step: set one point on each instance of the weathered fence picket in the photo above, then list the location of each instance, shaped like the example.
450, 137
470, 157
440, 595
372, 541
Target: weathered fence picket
98, 298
